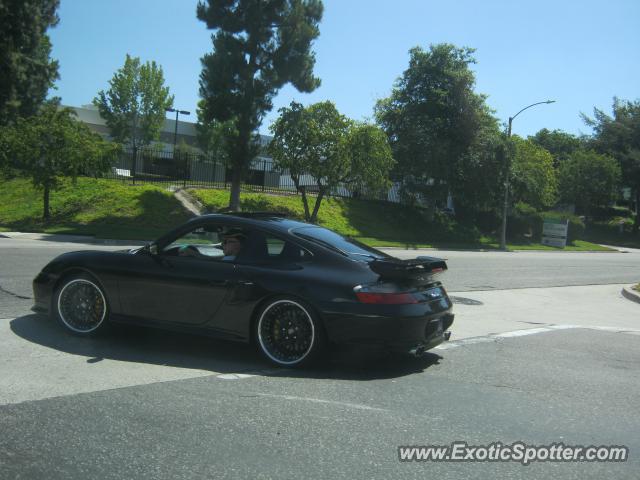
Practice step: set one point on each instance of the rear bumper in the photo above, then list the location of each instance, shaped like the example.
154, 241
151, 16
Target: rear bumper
391, 332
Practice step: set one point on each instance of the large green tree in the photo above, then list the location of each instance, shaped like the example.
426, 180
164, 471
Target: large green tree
213, 137
533, 178
322, 150
135, 103
258, 47
26, 69
560, 144
53, 144
433, 117
619, 136
480, 172
589, 179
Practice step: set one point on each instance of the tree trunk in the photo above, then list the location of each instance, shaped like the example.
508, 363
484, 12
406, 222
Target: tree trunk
240, 161
45, 212
316, 207
234, 196
303, 192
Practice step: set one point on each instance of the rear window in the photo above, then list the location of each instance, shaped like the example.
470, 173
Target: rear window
345, 245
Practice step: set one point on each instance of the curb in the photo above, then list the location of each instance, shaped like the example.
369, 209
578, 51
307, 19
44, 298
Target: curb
631, 294
54, 237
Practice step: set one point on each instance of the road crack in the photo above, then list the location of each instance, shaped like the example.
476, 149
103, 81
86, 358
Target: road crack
22, 297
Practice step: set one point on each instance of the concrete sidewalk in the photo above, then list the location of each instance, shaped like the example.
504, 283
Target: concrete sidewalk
483, 313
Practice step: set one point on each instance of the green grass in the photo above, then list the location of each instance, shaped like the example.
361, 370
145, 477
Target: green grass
610, 234
104, 208
111, 209
378, 224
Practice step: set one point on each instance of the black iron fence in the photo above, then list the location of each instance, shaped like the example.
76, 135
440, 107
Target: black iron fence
197, 170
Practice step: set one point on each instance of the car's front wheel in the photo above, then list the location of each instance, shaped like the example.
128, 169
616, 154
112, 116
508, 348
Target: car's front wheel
81, 306
289, 333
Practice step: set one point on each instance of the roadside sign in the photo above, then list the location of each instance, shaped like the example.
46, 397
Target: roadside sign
554, 232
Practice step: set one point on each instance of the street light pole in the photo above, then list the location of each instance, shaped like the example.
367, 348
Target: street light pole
505, 206
175, 132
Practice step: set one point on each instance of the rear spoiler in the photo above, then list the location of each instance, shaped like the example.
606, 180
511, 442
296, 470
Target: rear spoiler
412, 269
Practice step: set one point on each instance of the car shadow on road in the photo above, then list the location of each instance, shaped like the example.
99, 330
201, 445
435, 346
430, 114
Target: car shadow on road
158, 347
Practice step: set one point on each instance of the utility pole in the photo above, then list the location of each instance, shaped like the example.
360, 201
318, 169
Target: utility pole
175, 132
505, 206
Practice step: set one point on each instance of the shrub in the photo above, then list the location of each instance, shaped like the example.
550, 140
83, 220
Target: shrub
524, 222
527, 222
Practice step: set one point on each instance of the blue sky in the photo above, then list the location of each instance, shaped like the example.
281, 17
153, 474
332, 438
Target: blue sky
579, 53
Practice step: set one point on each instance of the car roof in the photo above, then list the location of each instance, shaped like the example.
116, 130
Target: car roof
256, 219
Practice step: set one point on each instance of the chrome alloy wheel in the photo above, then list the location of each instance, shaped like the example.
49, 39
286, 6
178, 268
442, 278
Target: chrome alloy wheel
286, 332
81, 306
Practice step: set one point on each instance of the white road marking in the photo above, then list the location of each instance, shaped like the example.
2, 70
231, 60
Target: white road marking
356, 406
530, 331
234, 376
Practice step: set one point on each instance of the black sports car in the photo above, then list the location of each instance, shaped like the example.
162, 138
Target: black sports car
290, 287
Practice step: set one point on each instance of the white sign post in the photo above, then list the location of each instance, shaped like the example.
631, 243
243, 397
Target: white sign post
554, 232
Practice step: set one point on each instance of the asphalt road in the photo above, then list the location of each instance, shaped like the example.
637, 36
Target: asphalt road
540, 365
21, 259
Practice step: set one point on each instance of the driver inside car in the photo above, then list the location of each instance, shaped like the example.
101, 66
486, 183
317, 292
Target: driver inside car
232, 243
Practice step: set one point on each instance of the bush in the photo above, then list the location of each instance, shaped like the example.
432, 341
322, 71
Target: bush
525, 222
445, 228
607, 213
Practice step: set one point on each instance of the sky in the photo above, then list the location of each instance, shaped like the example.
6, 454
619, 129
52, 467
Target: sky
579, 53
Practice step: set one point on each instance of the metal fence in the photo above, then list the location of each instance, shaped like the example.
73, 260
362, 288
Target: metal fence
197, 170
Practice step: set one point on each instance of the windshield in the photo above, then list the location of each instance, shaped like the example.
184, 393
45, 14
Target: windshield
345, 245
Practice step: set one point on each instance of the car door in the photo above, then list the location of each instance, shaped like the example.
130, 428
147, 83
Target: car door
169, 288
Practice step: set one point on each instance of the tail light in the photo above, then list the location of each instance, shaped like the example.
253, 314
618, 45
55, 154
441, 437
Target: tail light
384, 294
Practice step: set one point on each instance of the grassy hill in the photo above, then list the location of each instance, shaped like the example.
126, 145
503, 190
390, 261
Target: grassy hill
104, 208
376, 223
111, 209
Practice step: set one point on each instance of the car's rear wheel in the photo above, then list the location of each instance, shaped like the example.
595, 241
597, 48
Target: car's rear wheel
289, 333
81, 306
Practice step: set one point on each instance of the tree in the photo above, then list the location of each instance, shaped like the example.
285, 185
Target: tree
619, 137
53, 144
560, 144
135, 103
317, 144
258, 47
589, 179
27, 70
533, 178
433, 116
481, 170
212, 136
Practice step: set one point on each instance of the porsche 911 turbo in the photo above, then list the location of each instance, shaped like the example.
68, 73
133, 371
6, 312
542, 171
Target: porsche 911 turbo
290, 287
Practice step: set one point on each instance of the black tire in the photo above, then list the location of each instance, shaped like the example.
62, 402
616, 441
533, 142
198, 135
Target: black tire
289, 333
81, 306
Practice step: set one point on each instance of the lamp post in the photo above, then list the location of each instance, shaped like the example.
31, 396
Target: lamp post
175, 132
505, 207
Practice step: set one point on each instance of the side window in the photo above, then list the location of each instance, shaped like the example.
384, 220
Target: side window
281, 250
274, 246
207, 242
